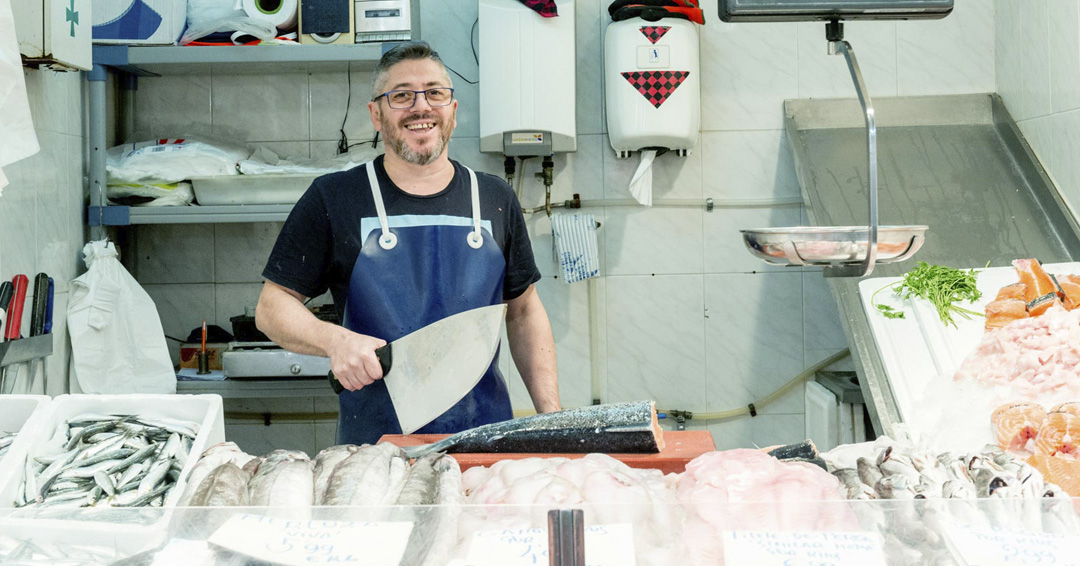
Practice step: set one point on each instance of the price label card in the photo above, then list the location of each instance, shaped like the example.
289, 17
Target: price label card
985, 547
608, 545
790, 548
296, 542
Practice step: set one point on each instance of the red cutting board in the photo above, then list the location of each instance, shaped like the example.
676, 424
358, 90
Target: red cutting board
679, 448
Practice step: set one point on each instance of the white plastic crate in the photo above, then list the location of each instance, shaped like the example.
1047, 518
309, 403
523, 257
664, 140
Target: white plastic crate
132, 530
16, 412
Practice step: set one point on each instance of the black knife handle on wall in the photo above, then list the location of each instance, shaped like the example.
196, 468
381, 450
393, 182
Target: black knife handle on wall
41, 299
386, 360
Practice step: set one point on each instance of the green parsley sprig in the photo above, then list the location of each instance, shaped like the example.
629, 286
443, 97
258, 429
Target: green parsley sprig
942, 286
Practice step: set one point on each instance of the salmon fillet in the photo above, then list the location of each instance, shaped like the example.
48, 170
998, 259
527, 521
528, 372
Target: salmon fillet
1002, 312
1070, 291
1042, 304
1014, 291
1037, 280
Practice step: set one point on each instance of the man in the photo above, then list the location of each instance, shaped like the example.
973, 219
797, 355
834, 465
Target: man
400, 244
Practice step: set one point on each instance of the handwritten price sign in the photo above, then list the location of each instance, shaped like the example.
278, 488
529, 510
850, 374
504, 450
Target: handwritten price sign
293, 542
994, 548
802, 548
610, 545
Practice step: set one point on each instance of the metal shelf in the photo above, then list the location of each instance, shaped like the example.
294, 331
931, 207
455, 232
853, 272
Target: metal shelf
127, 215
233, 59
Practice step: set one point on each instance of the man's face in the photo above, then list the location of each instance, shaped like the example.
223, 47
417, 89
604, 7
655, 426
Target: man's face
419, 134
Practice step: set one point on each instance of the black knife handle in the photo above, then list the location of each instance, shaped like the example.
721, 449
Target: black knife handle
41, 299
386, 360
7, 289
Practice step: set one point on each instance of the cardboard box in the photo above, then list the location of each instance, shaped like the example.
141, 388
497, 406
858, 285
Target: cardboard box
189, 354
139, 22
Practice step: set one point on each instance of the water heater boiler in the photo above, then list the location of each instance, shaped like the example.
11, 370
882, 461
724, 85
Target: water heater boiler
527, 84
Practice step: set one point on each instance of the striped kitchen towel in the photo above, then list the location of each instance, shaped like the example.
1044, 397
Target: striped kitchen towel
575, 245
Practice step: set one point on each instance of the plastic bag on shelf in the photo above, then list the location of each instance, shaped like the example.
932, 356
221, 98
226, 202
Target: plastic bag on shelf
264, 161
242, 25
151, 194
172, 160
202, 12
117, 342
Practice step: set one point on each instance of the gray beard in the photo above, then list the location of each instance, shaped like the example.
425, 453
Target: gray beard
402, 149
405, 152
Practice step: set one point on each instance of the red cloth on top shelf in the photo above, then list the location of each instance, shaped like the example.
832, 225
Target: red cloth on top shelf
546, 8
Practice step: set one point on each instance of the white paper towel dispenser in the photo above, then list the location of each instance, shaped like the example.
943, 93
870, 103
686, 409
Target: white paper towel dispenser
651, 80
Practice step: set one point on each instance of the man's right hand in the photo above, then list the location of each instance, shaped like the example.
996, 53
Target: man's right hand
353, 360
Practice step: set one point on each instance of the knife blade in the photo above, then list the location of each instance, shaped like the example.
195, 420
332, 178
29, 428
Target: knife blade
429, 370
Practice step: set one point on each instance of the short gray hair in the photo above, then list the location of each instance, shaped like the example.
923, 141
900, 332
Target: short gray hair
408, 51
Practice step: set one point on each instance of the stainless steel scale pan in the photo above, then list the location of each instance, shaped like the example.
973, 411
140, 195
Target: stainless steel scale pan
844, 251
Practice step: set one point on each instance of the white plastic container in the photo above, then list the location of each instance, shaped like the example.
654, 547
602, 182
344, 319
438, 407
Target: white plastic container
251, 189
652, 84
17, 413
131, 530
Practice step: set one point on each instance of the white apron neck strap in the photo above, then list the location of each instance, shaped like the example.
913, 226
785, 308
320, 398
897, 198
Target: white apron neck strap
387, 240
474, 238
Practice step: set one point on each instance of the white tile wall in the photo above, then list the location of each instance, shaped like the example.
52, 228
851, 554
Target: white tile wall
1038, 62
42, 211
1035, 60
754, 337
954, 55
1064, 56
662, 266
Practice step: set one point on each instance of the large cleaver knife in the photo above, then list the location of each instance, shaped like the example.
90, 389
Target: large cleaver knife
428, 371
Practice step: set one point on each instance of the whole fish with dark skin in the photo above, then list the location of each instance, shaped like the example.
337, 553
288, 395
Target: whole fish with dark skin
617, 428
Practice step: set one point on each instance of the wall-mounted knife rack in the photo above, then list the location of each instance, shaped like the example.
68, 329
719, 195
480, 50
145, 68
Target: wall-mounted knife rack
25, 349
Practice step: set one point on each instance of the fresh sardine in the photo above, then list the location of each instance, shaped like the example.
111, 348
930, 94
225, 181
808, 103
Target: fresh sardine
108, 454
614, 428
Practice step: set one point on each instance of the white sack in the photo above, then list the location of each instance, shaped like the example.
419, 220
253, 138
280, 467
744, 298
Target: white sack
17, 137
172, 160
117, 343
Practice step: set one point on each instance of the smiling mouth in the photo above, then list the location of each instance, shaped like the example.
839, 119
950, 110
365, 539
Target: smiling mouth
423, 127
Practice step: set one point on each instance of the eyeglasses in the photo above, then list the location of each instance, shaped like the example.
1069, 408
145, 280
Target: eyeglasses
400, 99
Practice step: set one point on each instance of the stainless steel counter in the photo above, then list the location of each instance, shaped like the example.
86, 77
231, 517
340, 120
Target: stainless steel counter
958, 164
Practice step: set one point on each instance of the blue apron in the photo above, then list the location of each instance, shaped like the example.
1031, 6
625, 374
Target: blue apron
427, 268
